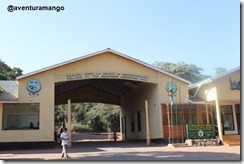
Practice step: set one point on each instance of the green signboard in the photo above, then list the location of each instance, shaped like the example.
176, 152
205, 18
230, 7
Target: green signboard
199, 131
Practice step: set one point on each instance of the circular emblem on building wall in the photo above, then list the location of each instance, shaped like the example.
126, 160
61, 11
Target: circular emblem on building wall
34, 87
171, 87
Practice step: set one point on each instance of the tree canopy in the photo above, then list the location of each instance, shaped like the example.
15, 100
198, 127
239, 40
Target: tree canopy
8, 73
189, 72
219, 70
88, 116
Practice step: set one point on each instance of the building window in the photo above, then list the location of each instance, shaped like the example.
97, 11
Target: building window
238, 117
227, 117
165, 115
132, 122
201, 114
180, 114
237, 106
138, 120
20, 116
190, 114
176, 115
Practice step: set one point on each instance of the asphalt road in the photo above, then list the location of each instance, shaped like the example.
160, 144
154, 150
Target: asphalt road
88, 149
107, 151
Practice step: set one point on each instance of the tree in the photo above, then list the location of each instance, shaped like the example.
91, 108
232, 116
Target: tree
219, 70
189, 72
79, 111
100, 116
8, 73
60, 115
88, 116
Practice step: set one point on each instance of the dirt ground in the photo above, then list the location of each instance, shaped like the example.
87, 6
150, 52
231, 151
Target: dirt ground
126, 151
77, 137
93, 136
94, 147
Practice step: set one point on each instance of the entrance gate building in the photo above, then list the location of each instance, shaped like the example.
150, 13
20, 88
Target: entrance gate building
106, 76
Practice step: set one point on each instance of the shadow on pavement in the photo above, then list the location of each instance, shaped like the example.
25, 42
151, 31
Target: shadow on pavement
125, 151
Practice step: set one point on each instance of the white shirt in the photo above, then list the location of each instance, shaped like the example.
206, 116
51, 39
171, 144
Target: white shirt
64, 135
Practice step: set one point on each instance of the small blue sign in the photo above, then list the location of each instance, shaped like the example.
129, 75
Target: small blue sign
34, 87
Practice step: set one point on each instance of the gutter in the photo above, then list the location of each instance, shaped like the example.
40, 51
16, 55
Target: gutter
12, 102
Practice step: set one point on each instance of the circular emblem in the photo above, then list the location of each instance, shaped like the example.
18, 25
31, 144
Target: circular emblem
171, 87
200, 133
34, 87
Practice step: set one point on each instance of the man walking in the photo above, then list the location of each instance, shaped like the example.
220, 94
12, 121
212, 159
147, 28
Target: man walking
64, 142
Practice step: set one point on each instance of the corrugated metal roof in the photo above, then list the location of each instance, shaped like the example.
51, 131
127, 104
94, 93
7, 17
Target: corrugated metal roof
100, 52
9, 91
206, 81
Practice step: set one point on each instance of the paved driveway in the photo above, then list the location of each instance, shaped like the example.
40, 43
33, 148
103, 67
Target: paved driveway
127, 151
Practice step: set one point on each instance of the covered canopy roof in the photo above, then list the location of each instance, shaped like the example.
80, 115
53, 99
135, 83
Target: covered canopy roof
194, 88
100, 52
95, 90
206, 81
8, 91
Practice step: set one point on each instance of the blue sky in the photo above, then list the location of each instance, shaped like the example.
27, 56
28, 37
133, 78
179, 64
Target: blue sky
201, 32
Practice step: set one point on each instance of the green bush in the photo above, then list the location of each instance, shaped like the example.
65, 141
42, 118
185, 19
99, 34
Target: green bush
78, 127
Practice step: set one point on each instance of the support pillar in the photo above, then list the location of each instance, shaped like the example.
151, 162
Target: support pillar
69, 124
219, 121
147, 123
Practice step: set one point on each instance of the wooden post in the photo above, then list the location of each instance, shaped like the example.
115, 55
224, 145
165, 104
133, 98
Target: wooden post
147, 124
207, 114
199, 114
169, 126
69, 124
171, 119
114, 127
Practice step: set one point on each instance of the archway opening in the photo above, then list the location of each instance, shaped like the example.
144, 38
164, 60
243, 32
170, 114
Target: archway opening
90, 121
97, 93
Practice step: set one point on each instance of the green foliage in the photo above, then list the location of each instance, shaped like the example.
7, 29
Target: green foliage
100, 115
88, 117
8, 73
60, 116
80, 109
219, 70
79, 127
189, 72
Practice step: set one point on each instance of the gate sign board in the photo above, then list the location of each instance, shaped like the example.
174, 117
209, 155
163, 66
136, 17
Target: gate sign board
199, 131
89, 75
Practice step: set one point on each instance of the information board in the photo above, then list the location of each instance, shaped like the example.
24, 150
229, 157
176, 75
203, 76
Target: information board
199, 131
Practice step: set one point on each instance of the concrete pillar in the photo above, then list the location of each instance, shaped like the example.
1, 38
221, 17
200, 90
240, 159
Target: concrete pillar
219, 121
69, 124
147, 124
